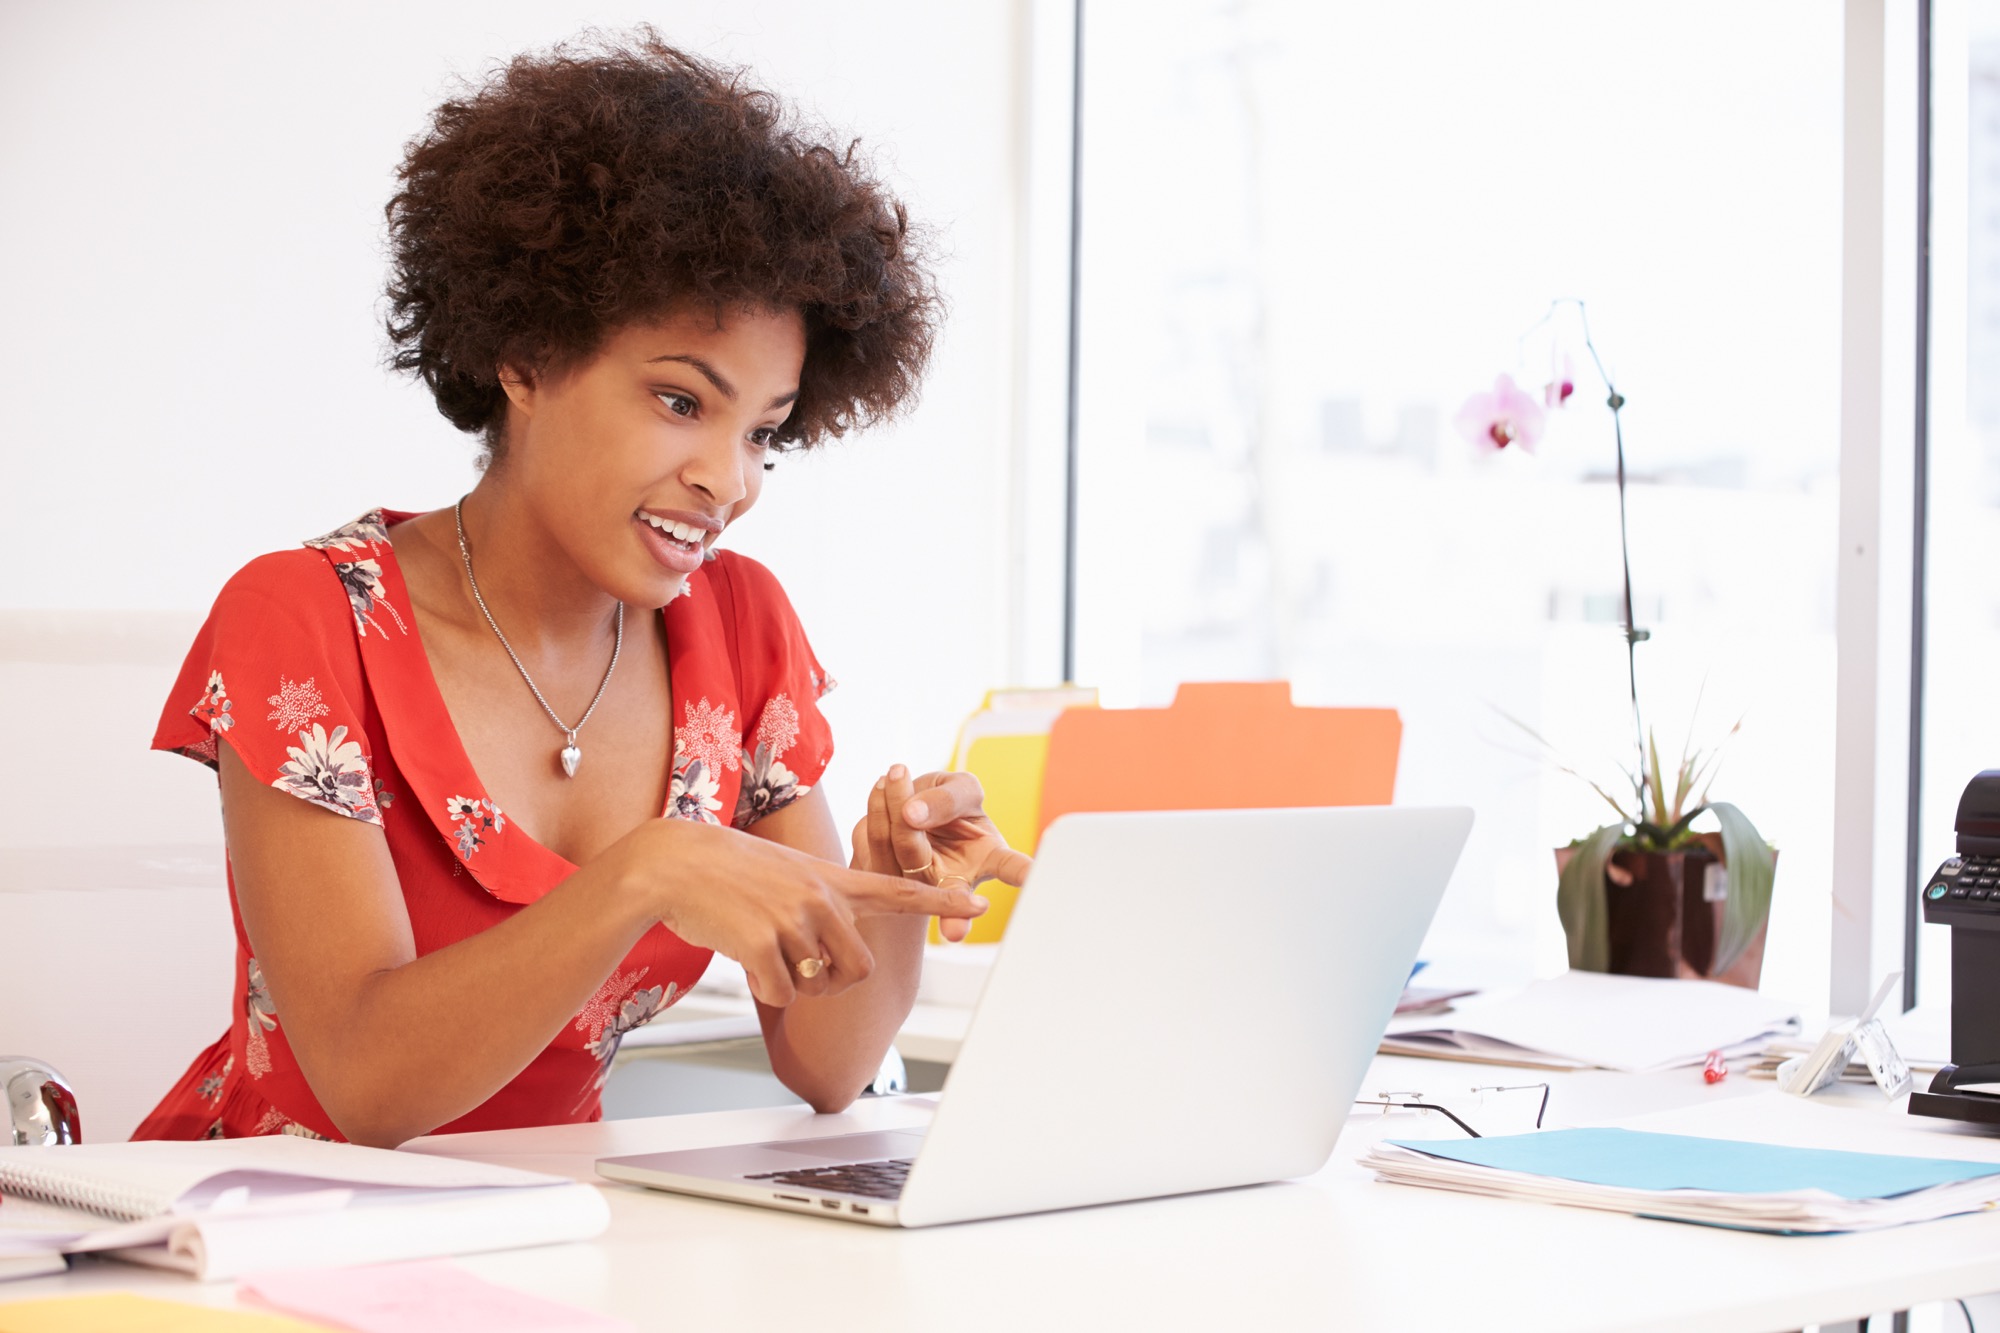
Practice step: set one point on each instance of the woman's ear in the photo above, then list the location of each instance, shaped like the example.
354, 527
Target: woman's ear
519, 388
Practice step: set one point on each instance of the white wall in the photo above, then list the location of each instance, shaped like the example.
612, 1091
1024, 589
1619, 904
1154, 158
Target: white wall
189, 325
194, 198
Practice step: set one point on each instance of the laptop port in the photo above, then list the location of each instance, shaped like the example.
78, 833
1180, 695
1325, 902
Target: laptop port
830, 1203
860, 1208
793, 1198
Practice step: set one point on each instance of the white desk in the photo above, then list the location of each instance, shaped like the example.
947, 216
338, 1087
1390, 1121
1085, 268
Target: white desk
1337, 1250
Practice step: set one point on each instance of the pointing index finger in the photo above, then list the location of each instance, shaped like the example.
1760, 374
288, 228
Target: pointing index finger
878, 895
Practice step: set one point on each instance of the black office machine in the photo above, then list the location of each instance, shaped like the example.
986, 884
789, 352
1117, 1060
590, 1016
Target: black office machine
1964, 894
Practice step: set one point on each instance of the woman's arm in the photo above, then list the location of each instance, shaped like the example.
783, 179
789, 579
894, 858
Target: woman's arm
395, 1045
827, 1050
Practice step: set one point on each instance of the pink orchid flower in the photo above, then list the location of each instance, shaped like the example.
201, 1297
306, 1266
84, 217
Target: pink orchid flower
1562, 383
1505, 416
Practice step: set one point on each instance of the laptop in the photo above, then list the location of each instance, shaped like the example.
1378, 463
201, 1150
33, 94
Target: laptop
1184, 1001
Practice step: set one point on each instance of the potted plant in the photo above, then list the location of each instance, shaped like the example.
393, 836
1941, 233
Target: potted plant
1644, 894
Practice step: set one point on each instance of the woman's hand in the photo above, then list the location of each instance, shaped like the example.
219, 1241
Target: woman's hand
771, 907
935, 830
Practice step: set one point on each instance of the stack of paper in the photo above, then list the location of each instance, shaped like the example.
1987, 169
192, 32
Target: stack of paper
217, 1209
1720, 1182
1593, 1020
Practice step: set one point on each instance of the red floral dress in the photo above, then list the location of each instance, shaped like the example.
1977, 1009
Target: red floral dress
311, 669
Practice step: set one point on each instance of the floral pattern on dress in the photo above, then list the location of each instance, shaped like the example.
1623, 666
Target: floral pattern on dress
330, 771
769, 786
694, 794
778, 725
710, 736
767, 789
363, 581
366, 532
274, 1121
260, 1016
297, 704
211, 1087
214, 706
617, 1008
476, 817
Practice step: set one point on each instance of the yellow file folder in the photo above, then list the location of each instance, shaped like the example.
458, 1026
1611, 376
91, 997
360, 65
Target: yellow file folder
1005, 744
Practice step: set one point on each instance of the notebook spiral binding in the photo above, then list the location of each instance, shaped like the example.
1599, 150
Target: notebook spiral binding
43, 1185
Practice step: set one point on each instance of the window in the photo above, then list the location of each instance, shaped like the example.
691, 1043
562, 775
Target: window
1309, 233
1961, 718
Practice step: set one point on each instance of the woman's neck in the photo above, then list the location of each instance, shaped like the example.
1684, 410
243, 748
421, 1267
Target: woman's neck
531, 586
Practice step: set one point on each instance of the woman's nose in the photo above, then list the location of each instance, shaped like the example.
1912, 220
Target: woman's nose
717, 470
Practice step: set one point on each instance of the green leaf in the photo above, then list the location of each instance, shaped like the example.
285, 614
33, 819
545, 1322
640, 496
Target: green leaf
1752, 865
1680, 826
1553, 756
1658, 814
1580, 900
1684, 778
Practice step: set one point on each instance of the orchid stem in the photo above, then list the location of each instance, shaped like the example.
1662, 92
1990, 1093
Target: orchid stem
1634, 636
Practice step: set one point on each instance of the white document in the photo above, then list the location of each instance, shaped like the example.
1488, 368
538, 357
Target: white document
377, 1228
1594, 1020
221, 1208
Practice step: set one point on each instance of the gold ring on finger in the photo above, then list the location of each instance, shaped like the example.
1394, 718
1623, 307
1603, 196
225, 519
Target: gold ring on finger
810, 967
923, 869
946, 879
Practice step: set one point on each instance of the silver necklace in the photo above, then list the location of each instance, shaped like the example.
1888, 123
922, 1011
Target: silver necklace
569, 756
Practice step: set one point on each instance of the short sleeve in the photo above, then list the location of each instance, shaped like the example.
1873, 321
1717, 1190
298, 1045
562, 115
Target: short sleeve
787, 743
275, 674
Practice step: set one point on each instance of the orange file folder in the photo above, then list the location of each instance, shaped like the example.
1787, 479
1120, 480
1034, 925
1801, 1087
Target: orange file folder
1220, 746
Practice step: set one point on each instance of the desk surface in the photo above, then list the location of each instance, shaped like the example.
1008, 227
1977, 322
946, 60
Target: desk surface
1335, 1250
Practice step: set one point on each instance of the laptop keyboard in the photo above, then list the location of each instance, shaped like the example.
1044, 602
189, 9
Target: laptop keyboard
871, 1180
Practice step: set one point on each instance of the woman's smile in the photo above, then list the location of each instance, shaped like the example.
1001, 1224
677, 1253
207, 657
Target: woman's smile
676, 537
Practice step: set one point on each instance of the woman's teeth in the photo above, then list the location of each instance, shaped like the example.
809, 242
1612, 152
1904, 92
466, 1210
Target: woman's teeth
685, 533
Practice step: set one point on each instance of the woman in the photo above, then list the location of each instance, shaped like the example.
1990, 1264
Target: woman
444, 741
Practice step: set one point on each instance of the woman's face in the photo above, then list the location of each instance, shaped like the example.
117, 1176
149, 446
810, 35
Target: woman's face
635, 461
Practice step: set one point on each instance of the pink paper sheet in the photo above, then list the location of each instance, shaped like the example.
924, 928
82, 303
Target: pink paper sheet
432, 1297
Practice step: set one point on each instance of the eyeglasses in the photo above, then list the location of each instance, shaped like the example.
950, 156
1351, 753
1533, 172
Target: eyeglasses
1480, 1102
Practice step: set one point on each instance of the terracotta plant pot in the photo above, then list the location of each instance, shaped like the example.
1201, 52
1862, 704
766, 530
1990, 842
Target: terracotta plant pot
1662, 921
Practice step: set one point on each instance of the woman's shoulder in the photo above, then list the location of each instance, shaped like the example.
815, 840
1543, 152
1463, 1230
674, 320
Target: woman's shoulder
755, 613
308, 581
289, 575
284, 629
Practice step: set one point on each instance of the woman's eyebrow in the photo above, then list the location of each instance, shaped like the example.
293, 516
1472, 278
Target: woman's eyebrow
715, 377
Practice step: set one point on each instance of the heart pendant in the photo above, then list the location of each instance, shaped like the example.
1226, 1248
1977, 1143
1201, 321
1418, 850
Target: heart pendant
571, 757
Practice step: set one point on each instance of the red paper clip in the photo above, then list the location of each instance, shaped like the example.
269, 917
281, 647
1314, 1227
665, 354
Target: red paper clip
1715, 1068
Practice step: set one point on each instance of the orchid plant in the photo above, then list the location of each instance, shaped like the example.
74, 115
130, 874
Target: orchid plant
1655, 817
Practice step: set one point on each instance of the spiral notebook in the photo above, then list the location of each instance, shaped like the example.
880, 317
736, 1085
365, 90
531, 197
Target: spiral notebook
221, 1208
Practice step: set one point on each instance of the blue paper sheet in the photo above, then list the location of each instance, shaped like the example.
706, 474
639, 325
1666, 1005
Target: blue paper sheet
1636, 1160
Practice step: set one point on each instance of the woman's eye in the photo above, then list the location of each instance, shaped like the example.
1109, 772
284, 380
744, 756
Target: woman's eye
764, 437
678, 403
